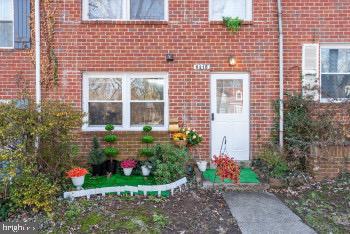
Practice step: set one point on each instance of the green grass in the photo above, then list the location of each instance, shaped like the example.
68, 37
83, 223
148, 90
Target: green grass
121, 180
246, 176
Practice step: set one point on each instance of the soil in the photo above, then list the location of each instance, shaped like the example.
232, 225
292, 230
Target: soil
192, 211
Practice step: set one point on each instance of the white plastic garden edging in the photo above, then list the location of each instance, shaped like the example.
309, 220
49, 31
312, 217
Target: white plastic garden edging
131, 189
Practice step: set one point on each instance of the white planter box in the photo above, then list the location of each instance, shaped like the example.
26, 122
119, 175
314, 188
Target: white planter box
78, 182
202, 165
127, 171
145, 170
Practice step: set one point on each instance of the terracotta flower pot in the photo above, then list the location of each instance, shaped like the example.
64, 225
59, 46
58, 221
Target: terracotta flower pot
78, 182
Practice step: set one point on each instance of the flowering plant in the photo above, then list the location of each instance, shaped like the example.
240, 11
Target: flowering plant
227, 168
179, 136
77, 172
193, 137
129, 163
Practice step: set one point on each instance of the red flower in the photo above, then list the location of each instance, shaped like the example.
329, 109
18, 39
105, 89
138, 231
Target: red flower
77, 172
227, 168
129, 163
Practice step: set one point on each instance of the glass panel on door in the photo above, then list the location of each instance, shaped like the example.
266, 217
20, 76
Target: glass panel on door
229, 96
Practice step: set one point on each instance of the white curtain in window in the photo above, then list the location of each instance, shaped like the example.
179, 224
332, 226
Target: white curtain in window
105, 9
6, 23
232, 8
147, 9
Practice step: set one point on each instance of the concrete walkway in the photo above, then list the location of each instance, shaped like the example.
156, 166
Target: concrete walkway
262, 212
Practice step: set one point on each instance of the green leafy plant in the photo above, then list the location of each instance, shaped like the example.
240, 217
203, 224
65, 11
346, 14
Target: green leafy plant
110, 151
110, 138
232, 24
275, 161
192, 136
169, 163
147, 139
96, 156
35, 191
147, 128
160, 220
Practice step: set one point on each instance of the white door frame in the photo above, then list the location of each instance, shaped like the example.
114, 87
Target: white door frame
246, 102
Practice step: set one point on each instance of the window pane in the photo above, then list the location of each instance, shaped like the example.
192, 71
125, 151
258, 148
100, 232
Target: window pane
335, 60
151, 113
101, 113
147, 9
6, 34
6, 10
105, 89
335, 86
229, 96
105, 9
232, 8
147, 89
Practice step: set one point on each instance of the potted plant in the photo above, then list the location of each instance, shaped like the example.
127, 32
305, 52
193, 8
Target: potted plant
127, 166
192, 136
97, 158
146, 168
202, 165
110, 151
180, 139
146, 139
77, 175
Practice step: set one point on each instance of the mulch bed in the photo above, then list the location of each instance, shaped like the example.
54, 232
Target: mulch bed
193, 211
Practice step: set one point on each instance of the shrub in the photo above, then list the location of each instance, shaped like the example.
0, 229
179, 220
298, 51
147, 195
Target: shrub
110, 138
275, 162
147, 128
96, 156
111, 152
53, 126
147, 139
168, 163
35, 191
227, 168
147, 152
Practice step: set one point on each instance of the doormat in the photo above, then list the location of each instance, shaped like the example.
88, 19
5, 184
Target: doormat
246, 176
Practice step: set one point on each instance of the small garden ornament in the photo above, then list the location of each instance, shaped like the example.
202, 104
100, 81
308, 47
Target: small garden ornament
127, 166
77, 175
146, 168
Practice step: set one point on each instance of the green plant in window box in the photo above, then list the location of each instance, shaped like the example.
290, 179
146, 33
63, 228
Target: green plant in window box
232, 24
110, 151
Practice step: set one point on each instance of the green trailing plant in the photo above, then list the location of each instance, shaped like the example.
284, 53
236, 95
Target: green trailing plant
232, 24
96, 156
110, 151
169, 163
276, 163
306, 123
147, 139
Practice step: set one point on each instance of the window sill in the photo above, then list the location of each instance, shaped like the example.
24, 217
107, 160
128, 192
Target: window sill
134, 129
334, 101
217, 22
126, 22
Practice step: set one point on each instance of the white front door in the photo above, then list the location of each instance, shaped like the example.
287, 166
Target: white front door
230, 114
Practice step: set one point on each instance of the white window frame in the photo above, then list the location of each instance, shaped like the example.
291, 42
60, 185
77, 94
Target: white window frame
125, 12
331, 46
13, 27
248, 11
126, 99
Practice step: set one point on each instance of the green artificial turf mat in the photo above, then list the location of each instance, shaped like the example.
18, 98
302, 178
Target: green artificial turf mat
246, 176
121, 180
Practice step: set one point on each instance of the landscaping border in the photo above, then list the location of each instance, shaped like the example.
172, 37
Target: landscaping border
130, 189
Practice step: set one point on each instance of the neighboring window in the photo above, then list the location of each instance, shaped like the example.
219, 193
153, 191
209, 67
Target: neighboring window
125, 9
127, 100
232, 8
335, 72
6, 23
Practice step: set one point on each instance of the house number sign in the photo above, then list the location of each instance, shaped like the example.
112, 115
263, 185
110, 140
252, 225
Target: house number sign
201, 66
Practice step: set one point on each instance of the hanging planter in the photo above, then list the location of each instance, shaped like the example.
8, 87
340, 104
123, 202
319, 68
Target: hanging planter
180, 139
77, 176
